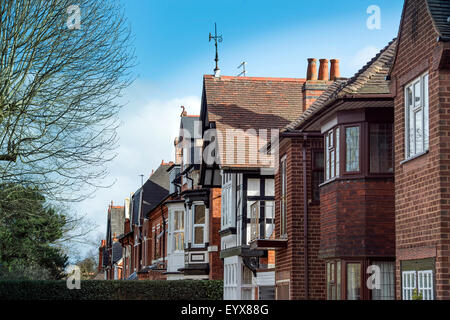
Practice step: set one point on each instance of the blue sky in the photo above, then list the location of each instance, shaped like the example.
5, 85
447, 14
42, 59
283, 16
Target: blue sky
173, 53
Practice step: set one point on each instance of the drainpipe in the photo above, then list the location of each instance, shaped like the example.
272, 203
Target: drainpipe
305, 220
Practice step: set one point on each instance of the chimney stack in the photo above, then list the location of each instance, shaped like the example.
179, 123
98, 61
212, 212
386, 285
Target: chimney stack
323, 69
312, 69
334, 72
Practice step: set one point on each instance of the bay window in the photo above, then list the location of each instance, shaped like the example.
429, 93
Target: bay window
352, 149
227, 200
381, 148
416, 117
353, 281
332, 154
199, 225
178, 231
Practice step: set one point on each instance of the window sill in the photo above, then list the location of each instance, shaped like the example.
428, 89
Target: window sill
415, 157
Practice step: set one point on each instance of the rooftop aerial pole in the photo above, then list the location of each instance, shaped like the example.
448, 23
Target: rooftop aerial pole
244, 72
216, 39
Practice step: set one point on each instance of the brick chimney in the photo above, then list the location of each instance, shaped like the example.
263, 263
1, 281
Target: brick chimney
323, 69
315, 86
334, 72
312, 69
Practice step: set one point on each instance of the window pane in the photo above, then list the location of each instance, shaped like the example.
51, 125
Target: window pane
253, 187
337, 152
352, 145
198, 235
338, 280
417, 94
270, 187
387, 283
419, 130
327, 159
381, 149
332, 174
199, 217
353, 281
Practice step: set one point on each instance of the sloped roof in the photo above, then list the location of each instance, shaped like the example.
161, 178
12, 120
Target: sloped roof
154, 190
370, 80
251, 103
440, 13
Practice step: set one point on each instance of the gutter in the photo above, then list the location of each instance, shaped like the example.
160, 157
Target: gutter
305, 220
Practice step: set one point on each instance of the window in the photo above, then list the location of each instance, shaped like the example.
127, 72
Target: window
387, 283
408, 284
421, 280
425, 284
178, 231
317, 174
227, 200
254, 220
334, 280
332, 154
352, 149
416, 117
199, 224
283, 217
353, 281
381, 148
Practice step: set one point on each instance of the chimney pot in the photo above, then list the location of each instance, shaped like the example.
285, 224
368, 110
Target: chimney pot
312, 69
334, 72
323, 69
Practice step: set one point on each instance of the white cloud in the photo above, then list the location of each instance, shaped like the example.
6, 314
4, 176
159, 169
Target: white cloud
146, 137
363, 56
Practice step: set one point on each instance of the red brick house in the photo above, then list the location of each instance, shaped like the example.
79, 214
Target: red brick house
299, 273
420, 80
144, 239
355, 118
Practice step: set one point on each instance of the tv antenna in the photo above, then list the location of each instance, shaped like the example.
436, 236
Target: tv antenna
242, 65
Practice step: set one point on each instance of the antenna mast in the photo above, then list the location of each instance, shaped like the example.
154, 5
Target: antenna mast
216, 39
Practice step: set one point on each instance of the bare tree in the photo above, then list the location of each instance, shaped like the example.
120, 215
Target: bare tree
62, 70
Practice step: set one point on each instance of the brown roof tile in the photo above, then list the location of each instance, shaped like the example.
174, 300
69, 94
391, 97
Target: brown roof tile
251, 103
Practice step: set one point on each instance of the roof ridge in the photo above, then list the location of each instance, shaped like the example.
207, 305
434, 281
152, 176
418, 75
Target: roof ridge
281, 79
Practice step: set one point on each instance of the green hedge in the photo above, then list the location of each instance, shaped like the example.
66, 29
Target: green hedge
113, 290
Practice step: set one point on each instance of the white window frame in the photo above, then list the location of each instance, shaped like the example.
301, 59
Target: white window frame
423, 106
408, 284
423, 281
176, 232
193, 244
228, 200
425, 284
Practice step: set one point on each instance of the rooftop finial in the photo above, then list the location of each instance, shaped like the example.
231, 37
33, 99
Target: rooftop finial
216, 39
184, 112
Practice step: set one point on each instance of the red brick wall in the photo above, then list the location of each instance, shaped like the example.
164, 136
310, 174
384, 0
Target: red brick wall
290, 261
357, 218
215, 263
422, 185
